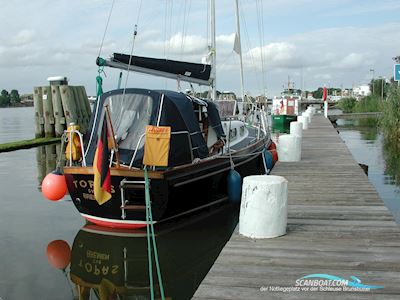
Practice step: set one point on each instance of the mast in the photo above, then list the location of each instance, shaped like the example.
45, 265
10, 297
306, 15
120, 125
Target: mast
212, 51
238, 48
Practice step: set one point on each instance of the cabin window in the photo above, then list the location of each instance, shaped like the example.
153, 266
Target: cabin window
130, 113
233, 133
241, 130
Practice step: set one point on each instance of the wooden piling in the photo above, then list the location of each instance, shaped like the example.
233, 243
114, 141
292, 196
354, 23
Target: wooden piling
85, 104
59, 118
68, 103
38, 105
80, 102
56, 106
48, 112
51, 158
41, 163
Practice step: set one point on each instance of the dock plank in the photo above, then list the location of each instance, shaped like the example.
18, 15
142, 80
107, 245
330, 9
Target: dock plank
337, 224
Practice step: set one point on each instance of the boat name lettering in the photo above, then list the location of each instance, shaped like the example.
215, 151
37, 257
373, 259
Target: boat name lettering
88, 184
97, 255
88, 196
95, 269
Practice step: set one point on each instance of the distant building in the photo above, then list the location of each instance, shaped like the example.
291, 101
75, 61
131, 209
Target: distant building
346, 92
361, 91
335, 98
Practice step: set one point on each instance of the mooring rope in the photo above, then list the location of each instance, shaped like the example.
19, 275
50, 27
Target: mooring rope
151, 237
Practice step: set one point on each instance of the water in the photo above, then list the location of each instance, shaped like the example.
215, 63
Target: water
99, 259
16, 124
366, 144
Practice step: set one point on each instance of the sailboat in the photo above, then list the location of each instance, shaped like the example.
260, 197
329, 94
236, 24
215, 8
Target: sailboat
203, 146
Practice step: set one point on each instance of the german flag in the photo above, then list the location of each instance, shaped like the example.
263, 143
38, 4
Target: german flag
101, 167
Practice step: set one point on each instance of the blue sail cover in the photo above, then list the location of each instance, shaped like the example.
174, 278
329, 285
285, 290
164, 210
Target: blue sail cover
192, 70
132, 111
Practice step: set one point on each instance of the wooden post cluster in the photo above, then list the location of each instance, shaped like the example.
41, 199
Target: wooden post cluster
58, 105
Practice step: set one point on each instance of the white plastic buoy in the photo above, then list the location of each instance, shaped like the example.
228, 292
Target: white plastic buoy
303, 120
296, 129
289, 148
307, 114
263, 209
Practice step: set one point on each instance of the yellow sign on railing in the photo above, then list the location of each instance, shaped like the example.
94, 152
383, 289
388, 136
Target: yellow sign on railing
156, 148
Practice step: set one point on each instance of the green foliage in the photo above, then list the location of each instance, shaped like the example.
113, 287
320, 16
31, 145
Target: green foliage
379, 87
7, 99
390, 122
391, 154
14, 97
4, 98
347, 104
318, 93
368, 104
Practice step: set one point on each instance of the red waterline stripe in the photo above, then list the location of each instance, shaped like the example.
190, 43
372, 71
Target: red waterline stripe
112, 224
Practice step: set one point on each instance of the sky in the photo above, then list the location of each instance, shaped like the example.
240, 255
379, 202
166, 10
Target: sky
336, 43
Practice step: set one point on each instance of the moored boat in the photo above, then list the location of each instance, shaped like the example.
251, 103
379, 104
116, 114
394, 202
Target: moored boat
285, 109
196, 175
198, 147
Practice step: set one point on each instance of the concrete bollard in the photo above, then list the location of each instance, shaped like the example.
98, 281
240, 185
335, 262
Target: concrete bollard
312, 109
303, 120
263, 209
307, 114
289, 148
296, 129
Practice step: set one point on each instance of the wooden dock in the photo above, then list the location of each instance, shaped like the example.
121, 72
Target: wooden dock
337, 225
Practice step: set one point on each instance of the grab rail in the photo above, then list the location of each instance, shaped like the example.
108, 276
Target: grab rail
68, 134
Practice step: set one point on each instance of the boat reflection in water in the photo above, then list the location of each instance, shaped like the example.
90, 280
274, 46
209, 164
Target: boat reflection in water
112, 264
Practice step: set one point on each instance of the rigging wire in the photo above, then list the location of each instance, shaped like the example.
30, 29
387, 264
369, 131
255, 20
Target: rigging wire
260, 25
185, 26
133, 46
165, 26
105, 30
247, 37
208, 22
170, 27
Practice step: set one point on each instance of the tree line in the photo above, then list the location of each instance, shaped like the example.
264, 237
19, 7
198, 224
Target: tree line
9, 99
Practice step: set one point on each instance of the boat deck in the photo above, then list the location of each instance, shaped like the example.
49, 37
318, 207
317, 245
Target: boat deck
337, 225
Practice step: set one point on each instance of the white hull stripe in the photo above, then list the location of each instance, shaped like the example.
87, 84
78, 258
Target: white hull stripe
133, 222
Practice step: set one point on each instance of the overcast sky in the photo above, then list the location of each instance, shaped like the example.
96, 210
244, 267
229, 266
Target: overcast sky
331, 42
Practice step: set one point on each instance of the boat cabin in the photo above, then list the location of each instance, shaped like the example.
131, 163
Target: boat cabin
195, 124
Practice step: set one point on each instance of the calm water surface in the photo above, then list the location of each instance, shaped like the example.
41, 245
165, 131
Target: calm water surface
16, 124
366, 144
100, 261
105, 261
